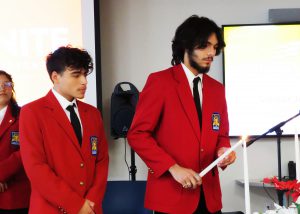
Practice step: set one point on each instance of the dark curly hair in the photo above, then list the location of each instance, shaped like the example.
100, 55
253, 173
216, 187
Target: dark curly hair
15, 108
194, 32
68, 56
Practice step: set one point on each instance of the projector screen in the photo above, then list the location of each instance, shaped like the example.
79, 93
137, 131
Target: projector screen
262, 77
33, 29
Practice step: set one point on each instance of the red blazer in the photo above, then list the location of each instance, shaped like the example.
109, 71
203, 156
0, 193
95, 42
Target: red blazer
62, 173
11, 167
165, 130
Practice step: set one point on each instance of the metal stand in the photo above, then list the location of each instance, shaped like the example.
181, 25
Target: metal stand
133, 169
279, 192
277, 129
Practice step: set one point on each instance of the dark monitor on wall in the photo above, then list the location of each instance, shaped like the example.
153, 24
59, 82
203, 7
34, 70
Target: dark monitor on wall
262, 77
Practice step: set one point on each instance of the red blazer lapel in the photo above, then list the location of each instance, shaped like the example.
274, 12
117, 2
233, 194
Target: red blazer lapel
206, 101
186, 98
84, 121
60, 116
8, 120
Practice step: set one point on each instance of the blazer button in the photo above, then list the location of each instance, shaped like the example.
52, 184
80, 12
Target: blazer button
81, 165
202, 150
81, 183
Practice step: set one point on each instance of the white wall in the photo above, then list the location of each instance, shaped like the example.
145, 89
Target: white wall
88, 37
136, 40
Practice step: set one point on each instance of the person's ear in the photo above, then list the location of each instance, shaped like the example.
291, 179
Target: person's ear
54, 76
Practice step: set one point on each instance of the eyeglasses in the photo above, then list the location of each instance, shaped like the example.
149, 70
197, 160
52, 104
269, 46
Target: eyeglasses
6, 85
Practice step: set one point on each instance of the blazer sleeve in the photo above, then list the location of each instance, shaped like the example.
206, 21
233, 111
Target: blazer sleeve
42, 177
142, 131
223, 138
10, 166
96, 192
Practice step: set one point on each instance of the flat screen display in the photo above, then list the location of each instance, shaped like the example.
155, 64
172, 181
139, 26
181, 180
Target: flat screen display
32, 29
262, 77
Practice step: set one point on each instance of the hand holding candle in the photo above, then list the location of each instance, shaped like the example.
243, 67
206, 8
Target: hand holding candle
220, 158
229, 159
246, 177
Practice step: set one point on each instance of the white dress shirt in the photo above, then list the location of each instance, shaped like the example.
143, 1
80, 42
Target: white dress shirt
65, 103
190, 76
2, 113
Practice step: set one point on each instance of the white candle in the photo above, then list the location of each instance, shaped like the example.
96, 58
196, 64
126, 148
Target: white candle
213, 164
297, 154
246, 179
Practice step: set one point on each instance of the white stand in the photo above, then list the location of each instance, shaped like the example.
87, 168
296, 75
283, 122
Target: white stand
246, 178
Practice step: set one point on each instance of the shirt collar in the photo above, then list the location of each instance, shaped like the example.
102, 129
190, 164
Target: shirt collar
62, 100
190, 76
2, 113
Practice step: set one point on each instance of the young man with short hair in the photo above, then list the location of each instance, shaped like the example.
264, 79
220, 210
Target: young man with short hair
63, 144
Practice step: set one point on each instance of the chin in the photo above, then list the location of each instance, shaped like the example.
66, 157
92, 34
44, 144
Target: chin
80, 97
203, 70
4, 102
199, 68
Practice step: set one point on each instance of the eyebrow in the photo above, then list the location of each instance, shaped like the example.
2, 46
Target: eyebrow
75, 71
208, 42
79, 71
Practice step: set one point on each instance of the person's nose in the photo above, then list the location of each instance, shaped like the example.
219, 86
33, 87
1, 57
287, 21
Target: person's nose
2, 87
211, 51
83, 80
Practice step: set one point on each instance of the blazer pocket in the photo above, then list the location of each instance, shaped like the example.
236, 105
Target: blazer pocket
164, 190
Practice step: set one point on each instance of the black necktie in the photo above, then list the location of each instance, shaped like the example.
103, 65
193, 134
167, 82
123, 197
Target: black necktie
197, 99
75, 122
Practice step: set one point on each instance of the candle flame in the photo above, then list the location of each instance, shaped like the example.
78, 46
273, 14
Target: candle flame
244, 137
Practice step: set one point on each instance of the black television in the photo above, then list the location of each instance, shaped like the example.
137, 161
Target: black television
261, 68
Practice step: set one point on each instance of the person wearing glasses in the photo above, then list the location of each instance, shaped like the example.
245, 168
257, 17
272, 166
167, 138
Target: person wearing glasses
14, 184
63, 144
